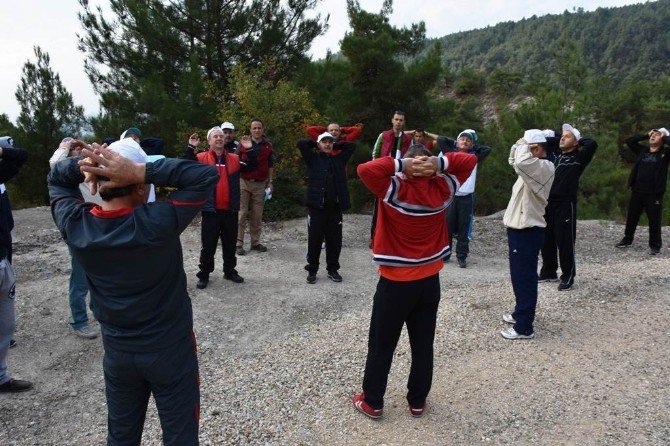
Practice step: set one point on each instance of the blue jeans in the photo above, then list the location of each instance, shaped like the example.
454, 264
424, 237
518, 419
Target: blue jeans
7, 315
524, 248
78, 292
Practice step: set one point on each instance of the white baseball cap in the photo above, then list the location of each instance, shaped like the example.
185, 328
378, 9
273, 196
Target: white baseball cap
325, 135
534, 136
662, 131
571, 129
227, 126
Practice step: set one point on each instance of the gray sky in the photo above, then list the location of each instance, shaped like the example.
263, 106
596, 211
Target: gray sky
52, 24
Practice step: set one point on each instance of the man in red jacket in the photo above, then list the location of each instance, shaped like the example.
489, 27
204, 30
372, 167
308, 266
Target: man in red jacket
220, 212
410, 242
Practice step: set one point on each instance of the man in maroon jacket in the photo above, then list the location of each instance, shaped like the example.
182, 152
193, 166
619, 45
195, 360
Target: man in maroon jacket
257, 158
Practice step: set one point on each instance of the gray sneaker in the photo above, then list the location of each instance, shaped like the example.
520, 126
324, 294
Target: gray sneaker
508, 318
85, 332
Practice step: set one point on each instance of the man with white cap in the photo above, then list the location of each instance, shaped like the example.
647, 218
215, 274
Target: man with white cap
220, 213
133, 260
647, 181
575, 154
11, 160
327, 198
460, 214
524, 219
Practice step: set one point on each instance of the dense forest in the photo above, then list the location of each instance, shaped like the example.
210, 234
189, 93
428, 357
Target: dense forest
180, 67
625, 43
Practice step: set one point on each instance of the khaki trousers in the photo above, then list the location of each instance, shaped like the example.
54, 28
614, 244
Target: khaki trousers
252, 199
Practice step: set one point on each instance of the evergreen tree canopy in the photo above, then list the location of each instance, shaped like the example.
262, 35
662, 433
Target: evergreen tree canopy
153, 61
47, 115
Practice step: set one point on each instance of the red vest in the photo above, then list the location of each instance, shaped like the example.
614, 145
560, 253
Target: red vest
230, 166
261, 173
387, 143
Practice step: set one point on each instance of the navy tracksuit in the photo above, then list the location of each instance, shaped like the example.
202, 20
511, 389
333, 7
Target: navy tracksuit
134, 267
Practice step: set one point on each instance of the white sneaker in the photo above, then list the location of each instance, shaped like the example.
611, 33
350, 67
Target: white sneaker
510, 333
508, 318
85, 332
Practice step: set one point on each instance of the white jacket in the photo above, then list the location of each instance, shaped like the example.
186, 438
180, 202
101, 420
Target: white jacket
531, 190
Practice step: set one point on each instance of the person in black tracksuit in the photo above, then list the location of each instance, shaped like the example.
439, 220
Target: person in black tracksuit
561, 212
132, 255
327, 197
647, 181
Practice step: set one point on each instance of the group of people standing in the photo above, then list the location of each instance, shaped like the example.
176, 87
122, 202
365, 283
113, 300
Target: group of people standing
422, 200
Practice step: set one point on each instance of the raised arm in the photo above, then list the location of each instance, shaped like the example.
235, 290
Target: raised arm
587, 150
12, 161
306, 147
634, 145
315, 130
347, 148
445, 144
351, 134
537, 173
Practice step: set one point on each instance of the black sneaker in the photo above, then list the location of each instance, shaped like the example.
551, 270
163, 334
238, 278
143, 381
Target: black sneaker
12, 343
234, 277
462, 263
334, 276
624, 243
311, 278
654, 251
259, 248
240, 251
202, 284
565, 285
15, 385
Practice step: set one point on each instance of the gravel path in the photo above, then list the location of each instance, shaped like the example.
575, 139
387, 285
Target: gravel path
280, 359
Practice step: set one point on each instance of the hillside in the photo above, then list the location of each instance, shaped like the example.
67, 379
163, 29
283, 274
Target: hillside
629, 42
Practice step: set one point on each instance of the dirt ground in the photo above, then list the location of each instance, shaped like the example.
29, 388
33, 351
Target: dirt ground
280, 359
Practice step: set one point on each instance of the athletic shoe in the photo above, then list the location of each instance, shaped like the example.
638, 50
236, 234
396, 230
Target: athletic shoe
624, 243
12, 343
462, 263
311, 278
508, 318
334, 276
365, 409
654, 251
202, 284
240, 251
510, 333
565, 285
15, 385
259, 248
542, 278
233, 277
417, 412
85, 332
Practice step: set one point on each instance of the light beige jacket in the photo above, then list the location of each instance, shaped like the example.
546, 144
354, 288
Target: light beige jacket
531, 190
